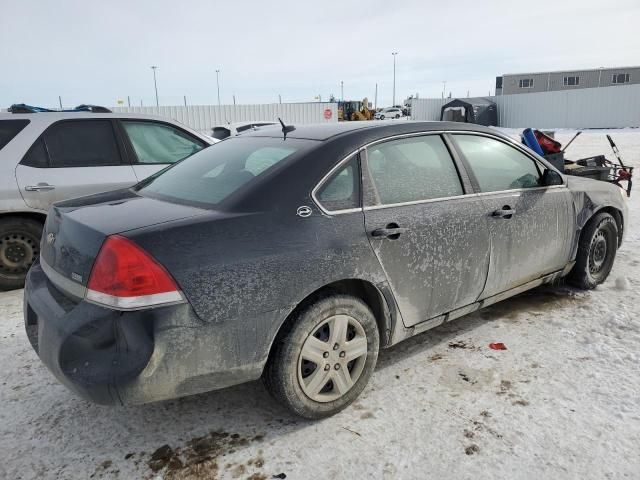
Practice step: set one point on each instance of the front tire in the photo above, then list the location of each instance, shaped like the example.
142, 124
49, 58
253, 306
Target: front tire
324, 357
596, 252
19, 248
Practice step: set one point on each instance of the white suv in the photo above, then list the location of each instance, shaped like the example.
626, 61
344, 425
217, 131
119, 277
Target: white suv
52, 156
391, 112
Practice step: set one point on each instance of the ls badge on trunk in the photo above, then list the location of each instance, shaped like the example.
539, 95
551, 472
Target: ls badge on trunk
51, 237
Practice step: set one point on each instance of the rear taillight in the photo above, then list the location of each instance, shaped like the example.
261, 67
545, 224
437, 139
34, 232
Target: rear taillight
125, 277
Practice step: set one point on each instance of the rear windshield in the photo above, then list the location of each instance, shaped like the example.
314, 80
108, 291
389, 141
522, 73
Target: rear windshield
211, 175
9, 129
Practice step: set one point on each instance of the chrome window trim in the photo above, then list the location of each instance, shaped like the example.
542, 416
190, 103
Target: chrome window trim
516, 191
507, 140
324, 179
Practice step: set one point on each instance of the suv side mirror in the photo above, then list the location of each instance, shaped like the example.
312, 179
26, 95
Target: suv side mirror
551, 177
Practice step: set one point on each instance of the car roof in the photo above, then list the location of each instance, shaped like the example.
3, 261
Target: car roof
46, 118
325, 131
50, 117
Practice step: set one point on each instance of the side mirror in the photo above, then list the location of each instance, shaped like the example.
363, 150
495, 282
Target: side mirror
551, 177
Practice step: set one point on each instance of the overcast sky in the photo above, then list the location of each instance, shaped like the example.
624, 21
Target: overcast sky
100, 51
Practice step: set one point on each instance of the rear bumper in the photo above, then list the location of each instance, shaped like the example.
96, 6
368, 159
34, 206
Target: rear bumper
113, 357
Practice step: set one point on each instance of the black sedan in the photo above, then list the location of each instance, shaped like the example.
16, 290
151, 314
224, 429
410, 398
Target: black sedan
295, 254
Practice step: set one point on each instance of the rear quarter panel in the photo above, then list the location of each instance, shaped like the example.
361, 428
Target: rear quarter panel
253, 269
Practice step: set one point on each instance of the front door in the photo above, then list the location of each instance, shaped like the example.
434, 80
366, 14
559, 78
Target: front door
531, 225
72, 158
430, 238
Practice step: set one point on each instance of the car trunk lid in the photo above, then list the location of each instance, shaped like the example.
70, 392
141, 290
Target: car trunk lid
72, 236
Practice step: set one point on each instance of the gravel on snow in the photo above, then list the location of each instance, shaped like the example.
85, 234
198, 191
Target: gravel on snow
563, 401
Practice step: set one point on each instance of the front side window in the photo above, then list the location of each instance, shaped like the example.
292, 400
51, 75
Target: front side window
342, 190
412, 169
160, 143
81, 143
572, 81
496, 165
213, 174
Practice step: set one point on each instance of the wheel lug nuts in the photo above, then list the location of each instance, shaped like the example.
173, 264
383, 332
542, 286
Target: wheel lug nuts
327, 367
342, 354
336, 346
325, 354
337, 366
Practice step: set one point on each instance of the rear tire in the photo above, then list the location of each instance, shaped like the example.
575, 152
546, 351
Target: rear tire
19, 248
381, 117
324, 357
596, 252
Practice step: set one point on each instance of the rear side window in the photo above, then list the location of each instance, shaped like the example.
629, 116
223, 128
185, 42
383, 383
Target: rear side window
496, 165
342, 190
213, 174
81, 143
9, 129
160, 143
412, 169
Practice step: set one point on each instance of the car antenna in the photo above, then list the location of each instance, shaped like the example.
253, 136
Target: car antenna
286, 128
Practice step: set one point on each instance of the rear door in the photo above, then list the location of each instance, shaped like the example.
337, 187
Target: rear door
531, 225
70, 159
154, 145
430, 236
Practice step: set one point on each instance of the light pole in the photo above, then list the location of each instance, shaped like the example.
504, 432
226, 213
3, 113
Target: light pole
394, 77
342, 90
444, 88
155, 84
218, 84
375, 101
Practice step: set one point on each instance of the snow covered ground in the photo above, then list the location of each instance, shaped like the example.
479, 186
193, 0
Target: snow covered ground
562, 402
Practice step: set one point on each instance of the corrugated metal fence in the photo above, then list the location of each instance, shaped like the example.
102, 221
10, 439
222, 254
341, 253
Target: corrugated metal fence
427, 108
606, 107
204, 117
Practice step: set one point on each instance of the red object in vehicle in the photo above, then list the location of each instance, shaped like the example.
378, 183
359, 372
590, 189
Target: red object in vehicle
126, 277
548, 144
497, 346
624, 175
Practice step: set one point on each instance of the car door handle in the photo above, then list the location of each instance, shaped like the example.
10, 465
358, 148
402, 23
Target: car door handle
41, 187
505, 212
391, 231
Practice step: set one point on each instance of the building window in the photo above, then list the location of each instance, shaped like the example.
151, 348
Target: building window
571, 81
617, 78
526, 83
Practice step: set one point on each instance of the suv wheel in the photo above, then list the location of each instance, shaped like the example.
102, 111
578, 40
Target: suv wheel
596, 252
324, 358
19, 248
